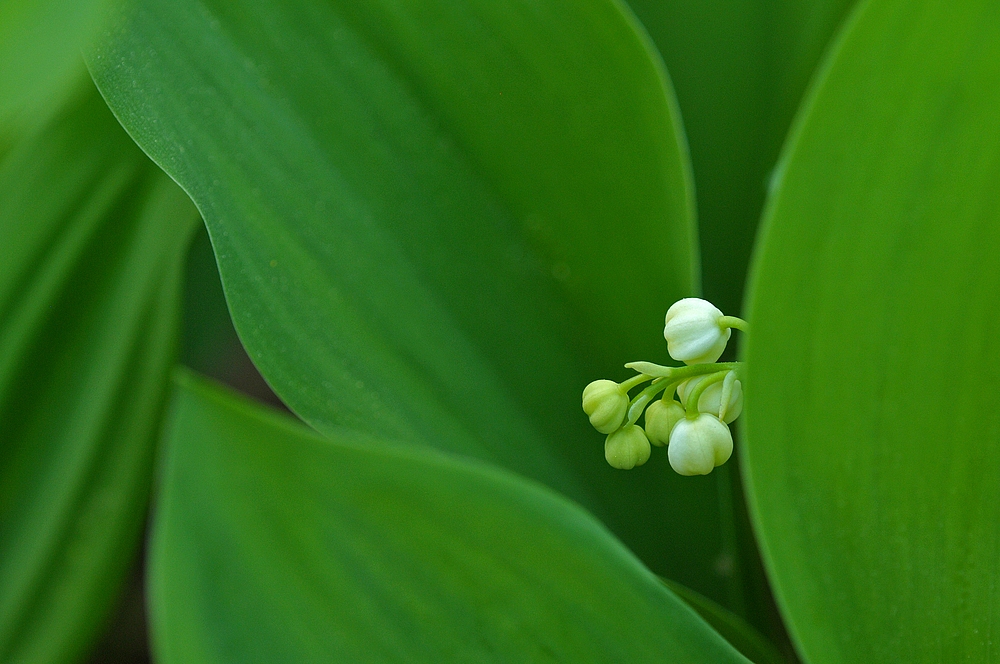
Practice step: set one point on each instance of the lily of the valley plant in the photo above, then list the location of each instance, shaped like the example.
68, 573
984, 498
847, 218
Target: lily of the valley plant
711, 397
419, 228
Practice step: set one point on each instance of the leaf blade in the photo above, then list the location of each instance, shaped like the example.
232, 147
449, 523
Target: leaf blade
435, 253
398, 553
40, 42
862, 516
739, 633
89, 296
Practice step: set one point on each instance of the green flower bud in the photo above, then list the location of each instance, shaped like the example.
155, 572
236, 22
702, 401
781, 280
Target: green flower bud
698, 445
661, 416
605, 403
695, 332
711, 398
627, 448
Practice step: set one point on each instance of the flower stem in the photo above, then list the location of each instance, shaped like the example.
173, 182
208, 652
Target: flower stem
643, 398
635, 380
679, 373
692, 399
733, 321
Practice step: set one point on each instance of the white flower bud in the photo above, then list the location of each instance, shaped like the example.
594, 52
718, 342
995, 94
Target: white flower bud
693, 331
710, 400
627, 448
605, 403
684, 389
661, 416
698, 445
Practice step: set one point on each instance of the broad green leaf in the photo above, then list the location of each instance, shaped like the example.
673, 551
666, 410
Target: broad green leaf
92, 236
873, 433
210, 345
271, 544
435, 221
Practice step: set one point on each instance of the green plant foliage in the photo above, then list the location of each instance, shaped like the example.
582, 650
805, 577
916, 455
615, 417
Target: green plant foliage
872, 432
436, 222
740, 634
354, 551
93, 236
740, 68
713, 50
359, 206
210, 342
40, 43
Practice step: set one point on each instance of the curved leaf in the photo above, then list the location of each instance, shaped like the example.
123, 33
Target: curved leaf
428, 217
873, 437
273, 545
740, 70
93, 236
740, 634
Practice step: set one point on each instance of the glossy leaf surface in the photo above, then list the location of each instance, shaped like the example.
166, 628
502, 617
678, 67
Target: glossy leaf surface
873, 435
272, 544
436, 222
92, 235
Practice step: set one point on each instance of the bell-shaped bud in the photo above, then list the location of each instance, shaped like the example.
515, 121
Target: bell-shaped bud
710, 400
627, 448
694, 331
605, 403
685, 388
698, 445
730, 398
661, 416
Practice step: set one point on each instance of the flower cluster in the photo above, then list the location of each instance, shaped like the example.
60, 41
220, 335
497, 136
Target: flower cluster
694, 428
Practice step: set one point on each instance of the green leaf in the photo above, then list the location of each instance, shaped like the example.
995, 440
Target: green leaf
209, 344
271, 544
40, 42
873, 432
93, 235
740, 69
740, 634
435, 221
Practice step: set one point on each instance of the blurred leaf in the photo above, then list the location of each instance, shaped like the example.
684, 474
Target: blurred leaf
40, 69
713, 50
873, 435
797, 35
92, 234
740, 68
273, 545
209, 344
740, 634
436, 221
